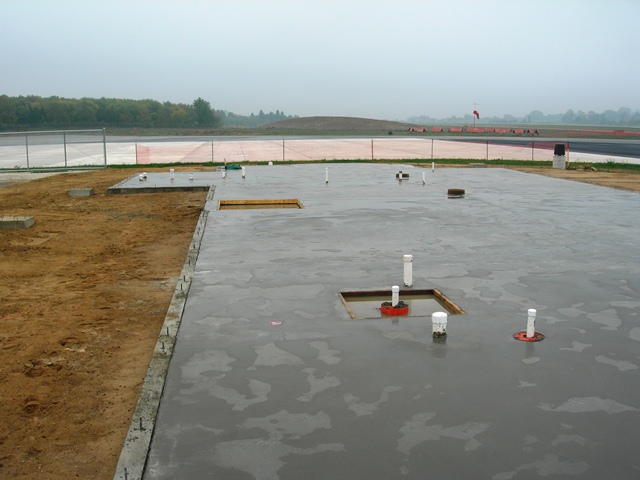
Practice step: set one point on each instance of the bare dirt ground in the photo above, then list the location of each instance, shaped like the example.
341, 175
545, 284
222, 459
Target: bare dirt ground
83, 294
621, 180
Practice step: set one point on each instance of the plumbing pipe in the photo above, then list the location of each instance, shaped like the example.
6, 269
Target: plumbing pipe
395, 295
433, 166
244, 173
531, 322
423, 180
270, 163
191, 176
408, 270
140, 177
439, 324
326, 174
171, 174
224, 172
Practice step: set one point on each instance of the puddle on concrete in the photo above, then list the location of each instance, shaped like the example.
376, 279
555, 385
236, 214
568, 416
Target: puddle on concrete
422, 303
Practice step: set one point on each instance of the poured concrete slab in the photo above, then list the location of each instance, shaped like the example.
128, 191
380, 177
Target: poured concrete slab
272, 379
80, 192
16, 222
164, 182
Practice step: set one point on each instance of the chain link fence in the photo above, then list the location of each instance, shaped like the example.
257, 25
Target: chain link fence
55, 149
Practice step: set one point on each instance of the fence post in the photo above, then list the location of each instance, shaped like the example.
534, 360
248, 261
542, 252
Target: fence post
104, 145
26, 145
533, 143
64, 142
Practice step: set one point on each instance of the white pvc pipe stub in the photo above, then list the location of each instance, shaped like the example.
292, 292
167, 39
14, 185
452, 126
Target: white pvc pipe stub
530, 334
531, 322
408, 269
439, 324
395, 295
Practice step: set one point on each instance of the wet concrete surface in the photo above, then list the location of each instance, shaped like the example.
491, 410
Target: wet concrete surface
144, 182
324, 396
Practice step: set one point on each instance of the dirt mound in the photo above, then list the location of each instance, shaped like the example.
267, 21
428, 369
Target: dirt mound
338, 124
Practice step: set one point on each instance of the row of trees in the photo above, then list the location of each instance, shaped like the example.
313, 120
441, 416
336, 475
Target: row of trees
621, 117
33, 112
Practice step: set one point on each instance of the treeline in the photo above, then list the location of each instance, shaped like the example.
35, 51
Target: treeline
33, 112
621, 117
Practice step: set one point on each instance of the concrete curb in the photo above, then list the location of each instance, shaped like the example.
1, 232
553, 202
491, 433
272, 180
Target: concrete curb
133, 456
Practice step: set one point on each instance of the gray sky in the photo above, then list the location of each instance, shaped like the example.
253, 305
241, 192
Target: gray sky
375, 58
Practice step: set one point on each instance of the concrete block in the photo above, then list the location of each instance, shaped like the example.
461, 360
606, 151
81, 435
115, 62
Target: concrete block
16, 222
80, 192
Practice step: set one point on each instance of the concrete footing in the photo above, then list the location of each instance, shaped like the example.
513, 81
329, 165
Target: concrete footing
16, 222
80, 192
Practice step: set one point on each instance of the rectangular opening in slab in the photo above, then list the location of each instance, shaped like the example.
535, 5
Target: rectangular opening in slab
422, 303
259, 204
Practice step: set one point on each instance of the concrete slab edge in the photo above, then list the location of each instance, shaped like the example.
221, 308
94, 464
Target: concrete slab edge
195, 188
133, 456
119, 188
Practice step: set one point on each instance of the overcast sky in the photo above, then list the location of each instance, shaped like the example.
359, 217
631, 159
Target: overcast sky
371, 58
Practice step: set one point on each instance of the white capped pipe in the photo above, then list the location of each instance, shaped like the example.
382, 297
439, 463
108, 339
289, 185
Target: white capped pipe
144, 175
141, 177
439, 324
191, 176
433, 166
395, 295
270, 163
400, 175
326, 174
243, 172
531, 322
224, 172
171, 174
423, 180
408, 269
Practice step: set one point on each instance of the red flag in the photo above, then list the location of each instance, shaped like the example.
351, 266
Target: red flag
475, 112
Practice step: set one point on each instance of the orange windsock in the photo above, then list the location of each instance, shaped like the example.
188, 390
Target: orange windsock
475, 112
